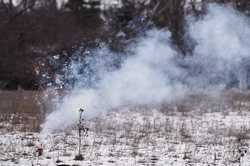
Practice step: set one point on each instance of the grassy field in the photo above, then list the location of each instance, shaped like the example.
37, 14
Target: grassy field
199, 130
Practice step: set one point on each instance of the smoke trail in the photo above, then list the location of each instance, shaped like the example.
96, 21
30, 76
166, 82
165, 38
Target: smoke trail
155, 73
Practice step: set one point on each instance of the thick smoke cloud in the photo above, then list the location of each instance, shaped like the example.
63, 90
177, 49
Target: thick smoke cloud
156, 73
222, 38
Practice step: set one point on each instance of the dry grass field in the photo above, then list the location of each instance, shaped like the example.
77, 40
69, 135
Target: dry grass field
199, 130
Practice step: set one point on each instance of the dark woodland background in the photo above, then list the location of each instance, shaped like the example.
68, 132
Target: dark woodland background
34, 31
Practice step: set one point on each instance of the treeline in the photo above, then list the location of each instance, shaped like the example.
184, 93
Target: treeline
33, 32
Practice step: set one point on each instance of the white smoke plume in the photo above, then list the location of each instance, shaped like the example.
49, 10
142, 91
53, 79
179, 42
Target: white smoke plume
155, 72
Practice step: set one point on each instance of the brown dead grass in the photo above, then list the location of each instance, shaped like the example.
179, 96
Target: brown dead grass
23, 110
26, 110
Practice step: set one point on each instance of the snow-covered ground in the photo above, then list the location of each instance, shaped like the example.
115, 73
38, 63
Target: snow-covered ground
143, 136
